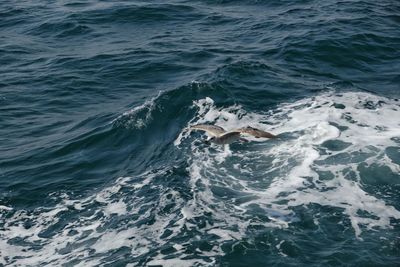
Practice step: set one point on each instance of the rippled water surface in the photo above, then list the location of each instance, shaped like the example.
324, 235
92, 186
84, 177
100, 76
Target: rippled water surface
97, 166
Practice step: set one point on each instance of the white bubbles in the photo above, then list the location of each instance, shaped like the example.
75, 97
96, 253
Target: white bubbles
86, 230
2, 207
278, 175
137, 117
118, 207
228, 191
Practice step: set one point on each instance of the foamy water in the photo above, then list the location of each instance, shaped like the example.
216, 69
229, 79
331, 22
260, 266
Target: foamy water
324, 143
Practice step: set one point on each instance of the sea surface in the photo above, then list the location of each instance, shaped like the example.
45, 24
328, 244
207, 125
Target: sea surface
98, 168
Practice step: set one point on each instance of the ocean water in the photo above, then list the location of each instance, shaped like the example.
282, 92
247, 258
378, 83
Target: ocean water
97, 167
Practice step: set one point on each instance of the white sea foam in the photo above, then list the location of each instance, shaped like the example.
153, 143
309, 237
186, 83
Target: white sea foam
118, 207
137, 117
88, 232
2, 207
365, 122
231, 189
174, 262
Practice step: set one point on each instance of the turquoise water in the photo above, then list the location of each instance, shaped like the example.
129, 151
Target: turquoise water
97, 166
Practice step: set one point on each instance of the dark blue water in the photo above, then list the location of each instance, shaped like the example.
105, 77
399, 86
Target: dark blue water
97, 166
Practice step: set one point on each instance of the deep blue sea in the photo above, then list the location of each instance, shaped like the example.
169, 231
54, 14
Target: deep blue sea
98, 166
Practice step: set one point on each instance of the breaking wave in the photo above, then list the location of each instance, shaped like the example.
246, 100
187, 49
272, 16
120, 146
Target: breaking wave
190, 213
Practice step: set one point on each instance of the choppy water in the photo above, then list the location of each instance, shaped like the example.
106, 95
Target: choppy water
97, 168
